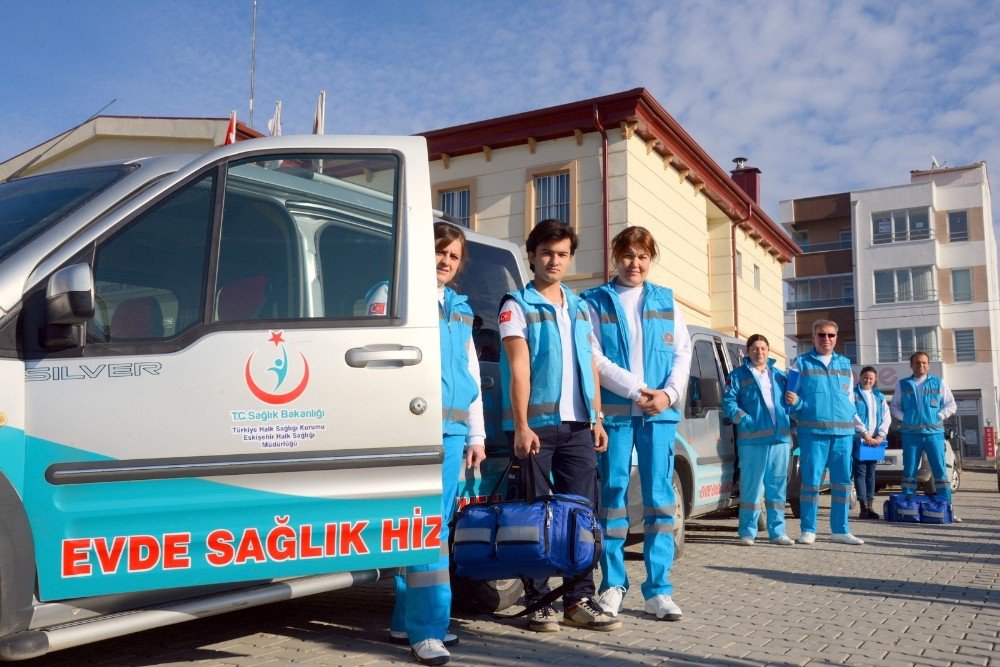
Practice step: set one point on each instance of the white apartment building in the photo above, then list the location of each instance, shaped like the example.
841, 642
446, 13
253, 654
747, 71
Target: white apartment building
914, 267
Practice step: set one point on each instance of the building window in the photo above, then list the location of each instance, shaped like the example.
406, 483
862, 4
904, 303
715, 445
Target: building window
851, 351
739, 264
550, 192
958, 226
961, 285
909, 284
845, 238
965, 345
457, 204
905, 224
896, 345
756, 277
822, 292
458, 200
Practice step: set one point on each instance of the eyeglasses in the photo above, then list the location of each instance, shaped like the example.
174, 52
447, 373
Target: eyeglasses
826, 335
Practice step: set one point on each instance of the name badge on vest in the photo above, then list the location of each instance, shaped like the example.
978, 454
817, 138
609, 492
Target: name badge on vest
668, 339
934, 402
843, 387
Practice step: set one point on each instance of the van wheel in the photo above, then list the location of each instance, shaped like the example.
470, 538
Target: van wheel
485, 596
678, 516
956, 480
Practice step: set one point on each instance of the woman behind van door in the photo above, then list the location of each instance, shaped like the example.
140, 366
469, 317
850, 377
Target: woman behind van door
753, 402
423, 595
643, 356
871, 426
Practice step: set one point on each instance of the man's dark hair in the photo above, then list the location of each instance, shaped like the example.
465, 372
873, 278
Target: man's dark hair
919, 353
868, 369
549, 231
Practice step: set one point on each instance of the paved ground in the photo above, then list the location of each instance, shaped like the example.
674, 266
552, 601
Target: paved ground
914, 595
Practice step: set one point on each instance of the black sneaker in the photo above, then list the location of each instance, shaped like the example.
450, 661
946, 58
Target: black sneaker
543, 620
587, 614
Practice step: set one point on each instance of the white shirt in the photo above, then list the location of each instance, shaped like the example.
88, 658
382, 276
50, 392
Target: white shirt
763, 378
571, 405
628, 382
869, 429
948, 406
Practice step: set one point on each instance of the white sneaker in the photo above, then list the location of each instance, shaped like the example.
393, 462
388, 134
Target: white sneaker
783, 540
664, 608
846, 538
806, 538
430, 652
611, 600
397, 637
746, 541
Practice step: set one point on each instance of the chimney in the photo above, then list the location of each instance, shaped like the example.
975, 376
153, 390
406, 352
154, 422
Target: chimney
748, 178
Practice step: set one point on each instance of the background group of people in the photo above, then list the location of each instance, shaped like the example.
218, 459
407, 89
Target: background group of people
586, 380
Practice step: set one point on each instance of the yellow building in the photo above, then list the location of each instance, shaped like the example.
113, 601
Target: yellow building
605, 163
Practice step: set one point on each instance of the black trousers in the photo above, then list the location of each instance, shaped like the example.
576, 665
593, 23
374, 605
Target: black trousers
567, 452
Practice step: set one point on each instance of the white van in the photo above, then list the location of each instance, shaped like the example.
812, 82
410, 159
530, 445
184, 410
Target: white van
197, 411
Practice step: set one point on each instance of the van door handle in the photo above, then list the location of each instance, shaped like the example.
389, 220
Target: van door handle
383, 356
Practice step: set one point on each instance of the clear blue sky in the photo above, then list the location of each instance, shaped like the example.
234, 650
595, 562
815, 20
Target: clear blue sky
822, 96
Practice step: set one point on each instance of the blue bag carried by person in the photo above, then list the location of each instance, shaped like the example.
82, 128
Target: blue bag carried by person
554, 535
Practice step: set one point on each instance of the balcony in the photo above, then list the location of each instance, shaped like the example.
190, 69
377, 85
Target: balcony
825, 247
806, 304
903, 236
906, 296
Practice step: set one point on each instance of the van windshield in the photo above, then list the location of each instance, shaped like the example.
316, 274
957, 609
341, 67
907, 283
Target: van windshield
29, 206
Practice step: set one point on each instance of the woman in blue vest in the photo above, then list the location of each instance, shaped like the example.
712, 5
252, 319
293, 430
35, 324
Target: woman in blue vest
643, 358
753, 401
872, 426
423, 595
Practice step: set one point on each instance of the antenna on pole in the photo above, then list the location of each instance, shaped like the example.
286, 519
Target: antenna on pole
253, 58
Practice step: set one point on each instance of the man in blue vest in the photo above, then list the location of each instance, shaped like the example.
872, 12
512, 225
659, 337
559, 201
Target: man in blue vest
824, 411
921, 403
551, 408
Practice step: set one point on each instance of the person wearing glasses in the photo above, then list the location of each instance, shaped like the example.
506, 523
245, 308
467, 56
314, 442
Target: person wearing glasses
824, 411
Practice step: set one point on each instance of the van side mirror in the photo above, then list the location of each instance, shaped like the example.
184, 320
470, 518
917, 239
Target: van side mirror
70, 302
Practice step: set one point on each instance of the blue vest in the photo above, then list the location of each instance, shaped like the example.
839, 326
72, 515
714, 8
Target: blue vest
826, 406
458, 388
545, 356
657, 338
861, 405
920, 415
744, 395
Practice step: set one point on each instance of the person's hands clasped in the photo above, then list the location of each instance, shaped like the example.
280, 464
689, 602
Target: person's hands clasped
653, 401
791, 398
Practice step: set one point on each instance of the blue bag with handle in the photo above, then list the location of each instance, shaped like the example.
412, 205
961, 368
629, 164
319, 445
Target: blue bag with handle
936, 509
553, 535
901, 507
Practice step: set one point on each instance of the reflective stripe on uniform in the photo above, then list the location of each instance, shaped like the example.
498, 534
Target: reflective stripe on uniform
658, 527
658, 315
617, 409
750, 506
609, 318
849, 425
776, 506
612, 512
919, 427
747, 382
840, 499
455, 415
582, 315
840, 487
662, 510
808, 498
617, 533
758, 434
814, 489
535, 410
539, 316
459, 317
426, 578
810, 371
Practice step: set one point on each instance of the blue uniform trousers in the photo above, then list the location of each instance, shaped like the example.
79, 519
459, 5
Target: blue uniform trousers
818, 452
567, 452
932, 444
864, 479
423, 594
763, 468
654, 445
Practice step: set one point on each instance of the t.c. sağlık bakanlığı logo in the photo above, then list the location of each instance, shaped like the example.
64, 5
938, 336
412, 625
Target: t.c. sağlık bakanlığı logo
280, 368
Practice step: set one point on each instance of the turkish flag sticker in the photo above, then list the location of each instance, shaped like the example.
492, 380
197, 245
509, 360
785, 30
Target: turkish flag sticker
376, 309
505, 316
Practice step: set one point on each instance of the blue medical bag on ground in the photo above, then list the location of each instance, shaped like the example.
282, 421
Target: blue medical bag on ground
901, 507
917, 508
